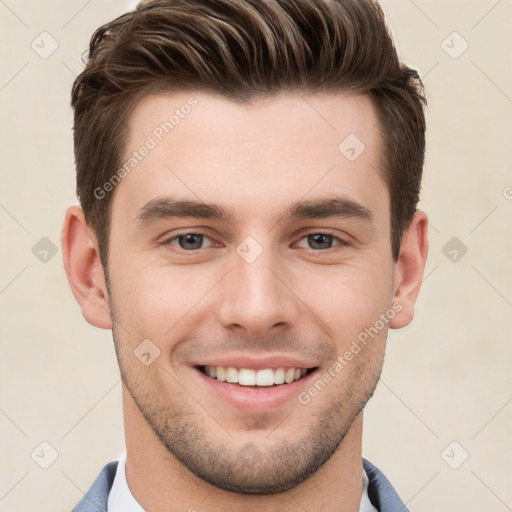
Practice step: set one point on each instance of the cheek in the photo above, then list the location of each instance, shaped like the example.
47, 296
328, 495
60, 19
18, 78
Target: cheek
350, 298
154, 297
152, 300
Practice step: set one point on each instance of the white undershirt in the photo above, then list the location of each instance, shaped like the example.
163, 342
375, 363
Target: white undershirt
121, 499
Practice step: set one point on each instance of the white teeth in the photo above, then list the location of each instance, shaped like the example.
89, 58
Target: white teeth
249, 377
231, 375
289, 376
279, 376
246, 377
265, 377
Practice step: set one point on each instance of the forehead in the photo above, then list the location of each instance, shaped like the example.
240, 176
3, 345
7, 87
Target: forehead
322, 119
274, 150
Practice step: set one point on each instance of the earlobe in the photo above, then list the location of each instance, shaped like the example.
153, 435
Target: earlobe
83, 268
409, 269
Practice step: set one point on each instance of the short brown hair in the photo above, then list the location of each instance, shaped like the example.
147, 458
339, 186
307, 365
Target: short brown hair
245, 50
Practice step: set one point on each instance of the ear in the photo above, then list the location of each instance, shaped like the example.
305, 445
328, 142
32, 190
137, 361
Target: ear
83, 268
408, 272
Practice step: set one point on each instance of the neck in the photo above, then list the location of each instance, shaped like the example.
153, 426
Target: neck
160, 482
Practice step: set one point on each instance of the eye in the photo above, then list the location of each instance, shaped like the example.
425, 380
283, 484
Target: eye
322, 241
188, 241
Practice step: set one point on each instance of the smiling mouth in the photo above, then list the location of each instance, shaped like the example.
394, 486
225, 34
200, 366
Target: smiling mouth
247, 377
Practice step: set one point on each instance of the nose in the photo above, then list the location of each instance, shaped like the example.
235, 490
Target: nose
257, 298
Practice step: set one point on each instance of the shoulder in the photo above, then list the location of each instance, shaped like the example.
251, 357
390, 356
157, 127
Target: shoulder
96, 498
381, 492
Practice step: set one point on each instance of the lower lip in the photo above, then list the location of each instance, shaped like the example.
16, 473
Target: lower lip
255, 399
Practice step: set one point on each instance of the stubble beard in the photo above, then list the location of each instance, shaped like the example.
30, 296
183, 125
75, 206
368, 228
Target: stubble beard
252, 468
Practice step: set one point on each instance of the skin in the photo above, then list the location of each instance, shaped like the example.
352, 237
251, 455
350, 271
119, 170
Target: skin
187, 447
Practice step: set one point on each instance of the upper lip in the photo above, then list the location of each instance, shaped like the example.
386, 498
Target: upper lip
258, 363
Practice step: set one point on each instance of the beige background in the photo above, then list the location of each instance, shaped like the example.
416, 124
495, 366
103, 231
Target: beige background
447, 376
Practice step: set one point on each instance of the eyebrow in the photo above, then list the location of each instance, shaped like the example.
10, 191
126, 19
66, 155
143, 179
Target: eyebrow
329, 207
162, 208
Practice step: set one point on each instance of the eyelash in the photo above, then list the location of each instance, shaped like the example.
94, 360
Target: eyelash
168, 242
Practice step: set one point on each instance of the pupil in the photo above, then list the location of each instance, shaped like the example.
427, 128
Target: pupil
191, 238
319, 238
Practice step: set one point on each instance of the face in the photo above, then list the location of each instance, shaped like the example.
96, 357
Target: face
249, 247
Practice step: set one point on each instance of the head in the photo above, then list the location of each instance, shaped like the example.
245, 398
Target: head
299, 136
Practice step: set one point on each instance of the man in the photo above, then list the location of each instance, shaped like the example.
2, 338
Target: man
248, 173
